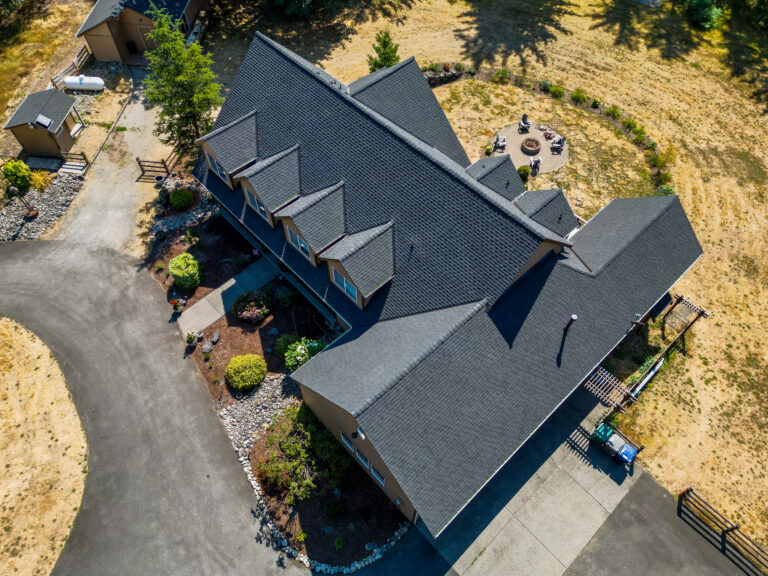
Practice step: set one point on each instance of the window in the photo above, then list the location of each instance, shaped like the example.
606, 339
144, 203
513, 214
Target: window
362, 458
347, 442
341, 281
58, 132
377, 475
297, 241
257, 205
214, 165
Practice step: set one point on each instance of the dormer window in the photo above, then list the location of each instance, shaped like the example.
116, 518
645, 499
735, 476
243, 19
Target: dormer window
214, 165
299, 243
257, 205
341, 281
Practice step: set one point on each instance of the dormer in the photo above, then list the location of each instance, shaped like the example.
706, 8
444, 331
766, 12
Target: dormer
231, 148
361, 263
313, 222
271, 183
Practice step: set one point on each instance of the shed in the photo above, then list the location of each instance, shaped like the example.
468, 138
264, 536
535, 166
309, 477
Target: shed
46, 123
117, 30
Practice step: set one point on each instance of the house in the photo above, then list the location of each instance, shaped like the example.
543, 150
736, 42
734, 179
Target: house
458, 287
117, 30
46, 123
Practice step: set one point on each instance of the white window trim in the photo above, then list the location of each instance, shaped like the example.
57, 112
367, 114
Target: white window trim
376, 474
298, 243
343, 286
60, 129
215, 166
362, 459
259, 207
347, 442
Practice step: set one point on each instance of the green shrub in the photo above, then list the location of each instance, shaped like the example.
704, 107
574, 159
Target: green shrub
666, 190
301, 536
459, 66
524, 172
501, 76
432, 67
284, 341
182, 199
284, 296
662, 178
557, 92
488, 149
471, 70
17, 173
596, 103
651, 146
301, 351
40, 180
338, 543
665, 159
703, 14
251, 306
545, 86
613, 112
639, 136
578, 96
629, 124
246, 372
186, 271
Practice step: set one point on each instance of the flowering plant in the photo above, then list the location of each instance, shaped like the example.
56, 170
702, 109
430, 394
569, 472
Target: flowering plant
301, 351
176, 303
252, 306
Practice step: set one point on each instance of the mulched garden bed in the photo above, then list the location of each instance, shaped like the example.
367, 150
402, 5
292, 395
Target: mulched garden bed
366, 515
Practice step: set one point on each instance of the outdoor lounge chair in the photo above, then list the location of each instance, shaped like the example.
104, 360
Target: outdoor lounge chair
557, 146
500, 143
535, 165
524, 125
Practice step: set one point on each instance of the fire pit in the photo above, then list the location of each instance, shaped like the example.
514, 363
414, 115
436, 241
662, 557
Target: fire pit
531, 146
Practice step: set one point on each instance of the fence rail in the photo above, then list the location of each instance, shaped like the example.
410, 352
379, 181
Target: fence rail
75, 163
730, 533
153, 168
81, 61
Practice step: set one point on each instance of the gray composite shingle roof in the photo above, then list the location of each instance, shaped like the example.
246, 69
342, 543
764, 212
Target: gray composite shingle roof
499, 174
103, 10
51, 103
235, 144
401, 94
276, 179
453, 364
549, 208
318, 216
368, 257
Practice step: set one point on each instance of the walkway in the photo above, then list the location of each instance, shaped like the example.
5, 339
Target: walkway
205, 312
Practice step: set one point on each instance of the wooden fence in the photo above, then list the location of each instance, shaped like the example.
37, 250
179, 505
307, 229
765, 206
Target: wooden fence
75, 163
730, 534
78, 64
152, 168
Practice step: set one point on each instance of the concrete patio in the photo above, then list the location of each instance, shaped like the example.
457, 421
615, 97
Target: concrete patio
549, 162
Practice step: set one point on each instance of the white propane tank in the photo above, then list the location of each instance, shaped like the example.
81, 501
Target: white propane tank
84, 82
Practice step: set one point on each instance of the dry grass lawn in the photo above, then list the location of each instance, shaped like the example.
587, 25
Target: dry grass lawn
690, 90
42, 454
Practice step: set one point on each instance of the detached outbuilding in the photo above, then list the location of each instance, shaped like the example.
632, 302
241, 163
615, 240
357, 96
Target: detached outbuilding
46, 123
118, 30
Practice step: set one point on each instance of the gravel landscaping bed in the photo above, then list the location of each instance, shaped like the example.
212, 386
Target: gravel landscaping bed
52, 204
205, 208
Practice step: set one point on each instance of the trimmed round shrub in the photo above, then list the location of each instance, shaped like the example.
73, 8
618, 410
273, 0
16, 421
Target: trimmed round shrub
545, 86
525, 173
578, 96
17, 173
613, 112
182, 199
665, 190
186, 271
246, 372
301, 351
557, 92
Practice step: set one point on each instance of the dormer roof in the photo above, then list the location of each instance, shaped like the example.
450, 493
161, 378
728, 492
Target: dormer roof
549, 208
276, 179
318, 216
235, 144
499, 174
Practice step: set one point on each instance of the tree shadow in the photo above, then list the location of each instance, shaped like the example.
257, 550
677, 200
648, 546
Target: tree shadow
633, 25
522, 28
233, 25
747, 55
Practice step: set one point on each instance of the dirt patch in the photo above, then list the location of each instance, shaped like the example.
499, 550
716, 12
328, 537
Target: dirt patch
43, 455
359, 513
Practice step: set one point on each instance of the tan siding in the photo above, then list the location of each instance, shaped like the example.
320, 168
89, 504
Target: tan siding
102, 43
544, 248
336, 264
64, 139
117, 34
288, 224
336, 420
247, 185
135, 27
36, 141
206, 149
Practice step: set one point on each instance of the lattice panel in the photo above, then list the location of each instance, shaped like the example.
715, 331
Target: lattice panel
608, 389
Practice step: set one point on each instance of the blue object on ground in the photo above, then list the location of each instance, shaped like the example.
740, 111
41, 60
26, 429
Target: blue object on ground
627, 454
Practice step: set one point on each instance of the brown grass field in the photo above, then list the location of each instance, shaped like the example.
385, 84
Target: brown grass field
705, 419
42, 455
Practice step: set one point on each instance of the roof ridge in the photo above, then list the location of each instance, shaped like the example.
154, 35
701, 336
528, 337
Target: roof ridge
313, 198
266, 162
479, 305
226, 126
430, 153
387, 72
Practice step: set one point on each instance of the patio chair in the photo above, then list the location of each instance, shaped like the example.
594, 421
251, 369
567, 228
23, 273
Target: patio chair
557, 146
524, 125
500, 143
535, 165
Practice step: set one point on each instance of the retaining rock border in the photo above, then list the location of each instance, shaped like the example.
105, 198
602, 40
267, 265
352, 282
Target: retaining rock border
251, 416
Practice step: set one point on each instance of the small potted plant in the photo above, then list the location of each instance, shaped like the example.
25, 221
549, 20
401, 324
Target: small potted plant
191, 339
177, 304
31, 212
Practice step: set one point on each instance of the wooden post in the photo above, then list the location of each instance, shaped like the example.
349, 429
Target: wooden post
167, 171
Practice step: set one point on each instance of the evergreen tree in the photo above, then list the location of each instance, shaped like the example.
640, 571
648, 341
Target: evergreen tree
386, 52
181, 82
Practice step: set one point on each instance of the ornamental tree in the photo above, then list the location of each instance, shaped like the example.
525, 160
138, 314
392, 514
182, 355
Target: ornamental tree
386, 52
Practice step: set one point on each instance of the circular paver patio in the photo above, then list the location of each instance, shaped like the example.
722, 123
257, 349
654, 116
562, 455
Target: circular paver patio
549, 162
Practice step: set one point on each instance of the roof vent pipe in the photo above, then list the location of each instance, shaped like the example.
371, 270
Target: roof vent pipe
571, 321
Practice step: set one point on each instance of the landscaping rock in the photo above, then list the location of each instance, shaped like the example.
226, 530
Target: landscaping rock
370, 546
273, 332
207, 347
216, 337
268, 350
326, 530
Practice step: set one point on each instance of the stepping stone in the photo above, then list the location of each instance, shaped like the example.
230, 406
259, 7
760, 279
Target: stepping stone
207, 347
326, 530
273, 332
371, 546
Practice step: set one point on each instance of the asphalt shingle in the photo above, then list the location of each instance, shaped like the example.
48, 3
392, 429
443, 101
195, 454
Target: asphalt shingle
318, 216
549, 208
51, 103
